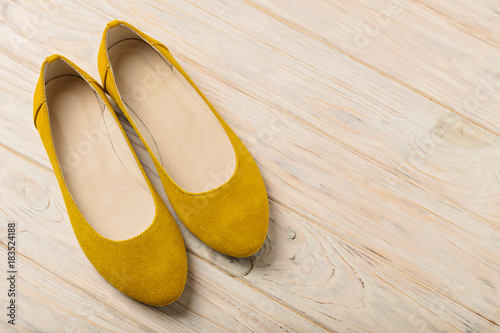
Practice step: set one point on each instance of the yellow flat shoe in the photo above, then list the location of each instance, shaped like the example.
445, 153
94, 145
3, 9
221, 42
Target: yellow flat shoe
120, 221
209, 176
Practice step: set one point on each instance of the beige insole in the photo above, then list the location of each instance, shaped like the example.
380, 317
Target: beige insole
175, 121
100, 171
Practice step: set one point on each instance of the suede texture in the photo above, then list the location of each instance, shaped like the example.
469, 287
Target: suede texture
150, 267
232, 218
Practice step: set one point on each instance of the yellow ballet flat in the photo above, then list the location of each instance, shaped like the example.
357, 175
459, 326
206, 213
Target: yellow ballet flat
120, 221
210, 178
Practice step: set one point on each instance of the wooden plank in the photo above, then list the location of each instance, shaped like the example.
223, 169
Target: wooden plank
408, 42
478, 18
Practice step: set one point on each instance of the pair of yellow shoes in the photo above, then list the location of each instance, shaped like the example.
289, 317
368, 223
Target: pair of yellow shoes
120, 221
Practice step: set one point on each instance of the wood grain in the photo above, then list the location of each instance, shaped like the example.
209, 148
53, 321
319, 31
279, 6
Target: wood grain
384, 194
479, 19
437, 59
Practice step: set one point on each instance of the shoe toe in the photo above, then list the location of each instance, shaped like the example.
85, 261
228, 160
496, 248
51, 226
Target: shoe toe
238, 229
151, 267
243, 235
162, 271
163, 284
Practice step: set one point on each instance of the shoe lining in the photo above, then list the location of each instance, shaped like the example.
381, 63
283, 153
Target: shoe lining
98, 167
176, 123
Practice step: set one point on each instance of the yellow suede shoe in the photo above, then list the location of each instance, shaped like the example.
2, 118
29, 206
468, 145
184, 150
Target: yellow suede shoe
209, 176
120, 221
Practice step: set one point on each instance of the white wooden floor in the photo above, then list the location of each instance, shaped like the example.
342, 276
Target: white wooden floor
376, 125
